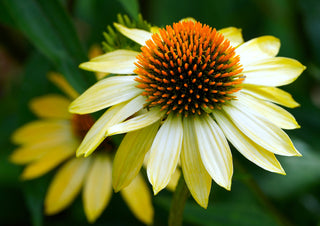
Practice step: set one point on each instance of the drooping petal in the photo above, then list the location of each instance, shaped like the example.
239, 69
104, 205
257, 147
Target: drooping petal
63, 84
233, 34
116, 62
165, 152
49, 160
272, 94
51, 106
130, 155
195, 174
270, 111
105, 93
113, 115
38, 131
137, 35
174, 180
66, 185
97, 189
247, 147
137, 122
257, 49
277, 71
214, 150
260, 131
138, 198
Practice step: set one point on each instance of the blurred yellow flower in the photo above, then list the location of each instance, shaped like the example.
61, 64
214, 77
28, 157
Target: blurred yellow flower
189, 90
52, 140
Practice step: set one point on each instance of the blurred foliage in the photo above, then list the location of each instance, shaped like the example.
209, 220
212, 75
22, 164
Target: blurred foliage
38, 36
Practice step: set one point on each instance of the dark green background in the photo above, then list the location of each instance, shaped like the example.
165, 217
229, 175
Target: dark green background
38, 36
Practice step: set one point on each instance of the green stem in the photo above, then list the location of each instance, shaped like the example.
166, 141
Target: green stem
262, 198
180, 197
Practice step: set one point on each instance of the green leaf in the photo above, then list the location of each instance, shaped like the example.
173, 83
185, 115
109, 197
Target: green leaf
49, 29
132, 7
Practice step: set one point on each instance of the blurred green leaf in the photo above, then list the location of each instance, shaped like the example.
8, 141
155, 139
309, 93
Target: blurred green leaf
47, 26
132, 7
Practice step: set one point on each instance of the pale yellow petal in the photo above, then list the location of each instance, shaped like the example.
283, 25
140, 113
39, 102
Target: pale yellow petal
63, 84
174, 180
270, 111
137, 122
260, 131
139, 200
130, 155
195, 174
165, 152
38, 131
137, 35
214, 150
277, 71
105, 93
257, 49
116, 62
113, 115
50, 160
247, 147
51, 106
233, 34
272, 94
66, 185
97, 188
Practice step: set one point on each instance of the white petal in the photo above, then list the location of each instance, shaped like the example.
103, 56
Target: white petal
260, 131
105, 93
233, 34
137, 35
137, 122
246, 147
270, 111
256, 49
214, 150
116, 62
277, 71
112, 116
195, 174
165, 152
272, 94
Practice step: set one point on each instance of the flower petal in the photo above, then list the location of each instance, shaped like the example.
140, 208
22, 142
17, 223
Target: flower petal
174, 180
257, 49
49, 160
277, 71
214, 150
130, 155
97, 188
195, 174
272, 94
113, 115
233, 34
105, 93
137, 35
270, 111
116, 62
38, 131
138, 198
136, 123
63, 84
246, 147
66, 185
51, 106
260, 131
165, 153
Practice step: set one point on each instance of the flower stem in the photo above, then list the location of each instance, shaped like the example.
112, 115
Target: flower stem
180, 197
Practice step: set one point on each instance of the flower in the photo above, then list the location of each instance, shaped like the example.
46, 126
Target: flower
52, 140
189, 90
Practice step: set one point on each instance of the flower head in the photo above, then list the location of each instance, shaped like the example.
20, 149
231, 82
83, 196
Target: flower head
52, 140
189, 90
